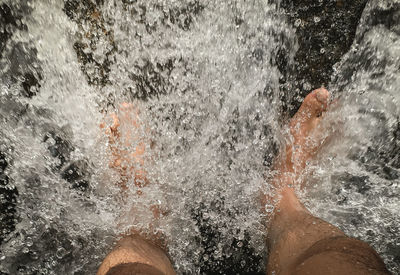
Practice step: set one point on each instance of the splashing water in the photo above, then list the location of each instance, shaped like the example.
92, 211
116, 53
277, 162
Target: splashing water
359, 172
203, 76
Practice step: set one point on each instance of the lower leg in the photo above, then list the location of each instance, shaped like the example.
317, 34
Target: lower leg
298, 242
135, 255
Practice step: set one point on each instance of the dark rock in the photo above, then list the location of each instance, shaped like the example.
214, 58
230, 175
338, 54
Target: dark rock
325, 31
59, 147
389, 173
45, 246
241, 258
87, 13
383, 157
22, 57
8, 201
360, 184
183, 17
149, 81
388, 17
7, 19
76, 174
30, 85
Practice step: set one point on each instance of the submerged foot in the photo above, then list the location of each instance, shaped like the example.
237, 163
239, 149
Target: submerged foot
126, 146
138, 251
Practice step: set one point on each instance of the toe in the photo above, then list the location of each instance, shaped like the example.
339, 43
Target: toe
115, 123
322, 95
315, 102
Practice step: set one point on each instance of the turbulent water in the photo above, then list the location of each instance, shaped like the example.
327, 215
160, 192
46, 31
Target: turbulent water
204, 78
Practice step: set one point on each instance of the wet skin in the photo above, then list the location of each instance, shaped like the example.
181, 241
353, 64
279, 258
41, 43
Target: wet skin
298, 242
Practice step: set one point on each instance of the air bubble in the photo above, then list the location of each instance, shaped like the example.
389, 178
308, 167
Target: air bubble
34, 255
307, 86
28, 241
269, 208
61, 252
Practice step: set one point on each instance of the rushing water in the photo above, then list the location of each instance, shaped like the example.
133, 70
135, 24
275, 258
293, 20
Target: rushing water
204, 78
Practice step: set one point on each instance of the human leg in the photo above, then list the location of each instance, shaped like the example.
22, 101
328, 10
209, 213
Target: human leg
298, 242
135, 253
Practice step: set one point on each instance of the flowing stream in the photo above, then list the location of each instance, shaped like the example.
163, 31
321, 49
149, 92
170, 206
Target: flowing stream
204, 80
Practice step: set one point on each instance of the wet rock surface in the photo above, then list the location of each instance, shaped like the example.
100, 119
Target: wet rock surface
22, 71
10, 19
92, 32
325, 31
23, 67
382, 157
8, 201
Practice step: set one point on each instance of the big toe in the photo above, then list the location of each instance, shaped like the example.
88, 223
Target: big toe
315, 102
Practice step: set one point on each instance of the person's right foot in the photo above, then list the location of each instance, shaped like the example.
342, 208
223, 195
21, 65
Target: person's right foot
304, 141
306, 137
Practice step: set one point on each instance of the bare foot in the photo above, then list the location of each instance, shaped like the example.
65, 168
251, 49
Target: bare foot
126, 146
305, 140
293, 232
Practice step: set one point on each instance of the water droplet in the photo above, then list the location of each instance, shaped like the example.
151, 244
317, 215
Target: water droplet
297, 23
317, 19
322, 50
34, 255
28, 242
307, 86
269, 208
61, 252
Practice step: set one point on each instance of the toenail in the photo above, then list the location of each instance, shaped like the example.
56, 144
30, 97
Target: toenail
321, 97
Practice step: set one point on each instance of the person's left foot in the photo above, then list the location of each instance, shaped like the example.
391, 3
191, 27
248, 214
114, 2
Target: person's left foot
127, 143
126, 148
